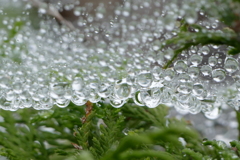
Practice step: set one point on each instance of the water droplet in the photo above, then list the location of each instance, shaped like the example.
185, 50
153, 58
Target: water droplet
93, 96
193, 72
212, 61
117, 103
168, 74
185, 88
77, 84
231, 65
4, 103
218, 75
206, 70
151, 98
180, 66
195, 59
215, 113
79, 98
105, 90
137, 99
144, 79
184, 77
199, 91
122, 91
204, 50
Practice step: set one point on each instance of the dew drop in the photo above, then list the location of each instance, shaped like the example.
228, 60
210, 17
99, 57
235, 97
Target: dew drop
231, 65
218, 75
212, 61
193, 72
79, 98
122, 91
168, 74
195, 59
151, 98
144, 79
137, 99
206, 70
180, 66
117, 103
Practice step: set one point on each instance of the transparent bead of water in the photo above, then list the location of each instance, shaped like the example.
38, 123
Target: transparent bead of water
231, 65
191, 16
77, 84
105, 90
93, 96
237, 83
168, 74
79, 98
195, 108
195, 59
218, 75
15, 105
17, 87
206, 70
62, 102
137, 99
193, 72
204, 50
184, 77
212, 61
198, 91
185, 88
156, 72
214, 114
26, 99
151, 98
4, 103
58, 90
10, 95
144, 79
117, 103
180, 66
122, 91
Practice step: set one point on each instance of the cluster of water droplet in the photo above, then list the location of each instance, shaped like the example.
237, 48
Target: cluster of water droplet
115, 57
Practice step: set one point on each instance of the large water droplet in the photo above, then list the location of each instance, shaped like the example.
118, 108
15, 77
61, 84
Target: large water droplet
185, 88
137, 99
206, 70
105, 90
212, 61
180, 66
122, 91
199, 91
151, 98
168, 74
218, 75
215, 113
79, 98
193, 72
144, 79
77, 84
195, 59
117, 103
231, 65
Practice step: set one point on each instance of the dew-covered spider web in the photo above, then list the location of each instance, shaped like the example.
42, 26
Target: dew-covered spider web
112, 51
